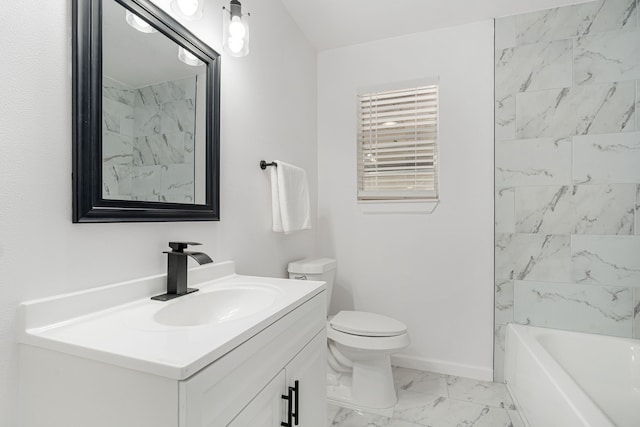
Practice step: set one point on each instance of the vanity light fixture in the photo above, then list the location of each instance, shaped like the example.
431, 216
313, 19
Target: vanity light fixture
235, 30
138, 23
188, 9
188, 58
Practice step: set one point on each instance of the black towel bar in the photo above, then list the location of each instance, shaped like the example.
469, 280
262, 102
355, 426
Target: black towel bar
263, 164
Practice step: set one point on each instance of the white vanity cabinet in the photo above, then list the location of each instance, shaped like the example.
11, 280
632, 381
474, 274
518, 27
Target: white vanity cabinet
265, 410
69, 379
305, 401
250, 381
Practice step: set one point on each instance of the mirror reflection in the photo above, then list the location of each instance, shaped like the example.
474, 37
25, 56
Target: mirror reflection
153, 113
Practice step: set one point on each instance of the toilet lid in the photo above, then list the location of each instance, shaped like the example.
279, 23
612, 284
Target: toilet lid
367, 324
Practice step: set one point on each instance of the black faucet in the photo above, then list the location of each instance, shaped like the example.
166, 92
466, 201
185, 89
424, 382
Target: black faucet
177, 270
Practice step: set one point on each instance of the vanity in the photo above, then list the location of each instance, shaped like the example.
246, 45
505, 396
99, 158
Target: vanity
242, 351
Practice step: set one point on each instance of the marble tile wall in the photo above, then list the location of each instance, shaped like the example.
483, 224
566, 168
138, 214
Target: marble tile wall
567, 170
148, 141
117, 139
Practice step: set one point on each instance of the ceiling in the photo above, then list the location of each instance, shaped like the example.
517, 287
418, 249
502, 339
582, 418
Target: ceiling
328, 24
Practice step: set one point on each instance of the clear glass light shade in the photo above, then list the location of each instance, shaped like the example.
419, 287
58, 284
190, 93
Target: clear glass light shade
188, 9
235, 33
138, 23
188, 58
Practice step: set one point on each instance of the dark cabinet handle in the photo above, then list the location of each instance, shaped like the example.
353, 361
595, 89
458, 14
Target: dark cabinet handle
296, 391
289, 399
292, 405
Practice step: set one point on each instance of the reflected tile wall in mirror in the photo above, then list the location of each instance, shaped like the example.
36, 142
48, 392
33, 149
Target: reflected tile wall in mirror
567, 168
148, 134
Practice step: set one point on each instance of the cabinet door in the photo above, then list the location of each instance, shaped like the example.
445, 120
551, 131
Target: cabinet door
309, 368
266, 409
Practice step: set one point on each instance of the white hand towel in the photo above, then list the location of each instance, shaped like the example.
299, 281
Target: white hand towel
290, 204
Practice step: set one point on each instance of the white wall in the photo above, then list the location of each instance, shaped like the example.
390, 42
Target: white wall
434, 272
268, 111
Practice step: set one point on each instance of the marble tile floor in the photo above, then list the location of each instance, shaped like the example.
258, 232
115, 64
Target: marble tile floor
436, 400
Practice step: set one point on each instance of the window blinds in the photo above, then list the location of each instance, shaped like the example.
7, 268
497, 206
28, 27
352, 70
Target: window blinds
397, 136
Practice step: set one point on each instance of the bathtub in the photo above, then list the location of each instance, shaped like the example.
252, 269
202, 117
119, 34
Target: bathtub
566, 379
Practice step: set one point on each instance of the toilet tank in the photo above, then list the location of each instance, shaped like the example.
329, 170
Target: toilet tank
322, 269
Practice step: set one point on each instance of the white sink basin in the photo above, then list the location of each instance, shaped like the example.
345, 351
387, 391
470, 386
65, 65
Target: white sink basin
218, 305
119, 324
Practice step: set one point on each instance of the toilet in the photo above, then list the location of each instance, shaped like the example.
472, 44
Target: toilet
359, 347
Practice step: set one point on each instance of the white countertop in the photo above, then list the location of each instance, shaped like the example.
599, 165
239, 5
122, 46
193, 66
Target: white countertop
115, 324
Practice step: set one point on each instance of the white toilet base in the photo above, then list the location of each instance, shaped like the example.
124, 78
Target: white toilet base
369, 387
373, 383
339, 394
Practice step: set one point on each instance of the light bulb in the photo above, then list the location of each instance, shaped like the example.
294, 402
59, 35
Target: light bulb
190, 55
235, 44
236, 28
141, 22
188, 58
138, 23
188, 7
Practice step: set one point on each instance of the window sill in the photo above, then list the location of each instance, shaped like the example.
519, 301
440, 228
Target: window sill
397, 207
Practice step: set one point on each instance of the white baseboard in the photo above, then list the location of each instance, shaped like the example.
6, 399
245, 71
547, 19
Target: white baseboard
442, 367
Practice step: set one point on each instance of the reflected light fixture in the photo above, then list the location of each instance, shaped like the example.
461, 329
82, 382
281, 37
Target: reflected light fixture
138, 23
235, 30
188, 58
188, 9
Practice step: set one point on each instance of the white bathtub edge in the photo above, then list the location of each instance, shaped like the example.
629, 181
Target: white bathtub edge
525, 420
581, 409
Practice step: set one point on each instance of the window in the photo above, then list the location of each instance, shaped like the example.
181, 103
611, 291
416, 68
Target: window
397, 141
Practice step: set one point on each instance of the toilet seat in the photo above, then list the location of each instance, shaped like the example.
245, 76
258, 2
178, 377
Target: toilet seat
385, 344
367, 331
364, 324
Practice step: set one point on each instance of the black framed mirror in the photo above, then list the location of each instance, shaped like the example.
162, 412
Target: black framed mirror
146, 116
